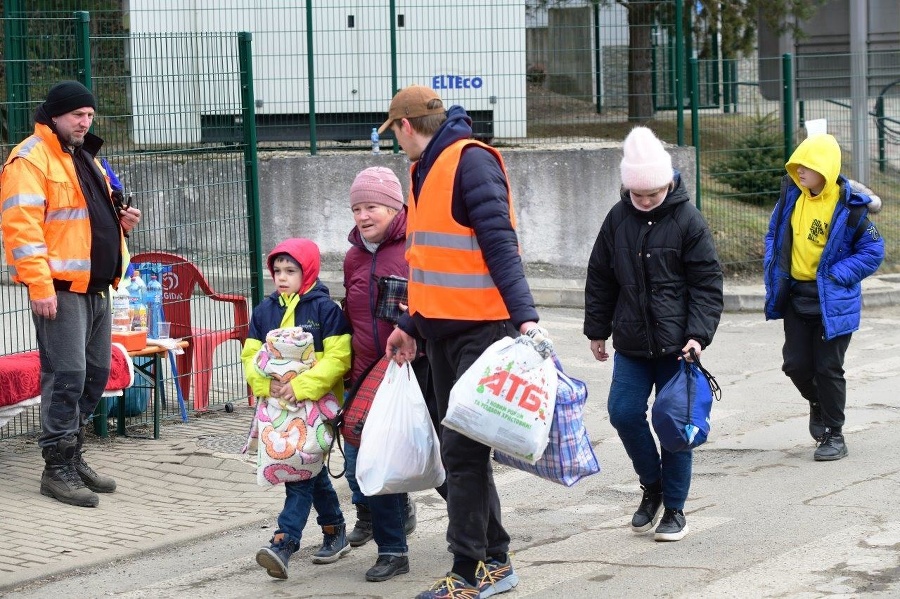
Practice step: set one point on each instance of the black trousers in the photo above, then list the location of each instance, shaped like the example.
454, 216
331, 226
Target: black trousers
816, 366
473, 506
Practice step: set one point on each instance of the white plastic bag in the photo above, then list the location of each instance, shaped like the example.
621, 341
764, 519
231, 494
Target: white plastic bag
506, 400
399, 450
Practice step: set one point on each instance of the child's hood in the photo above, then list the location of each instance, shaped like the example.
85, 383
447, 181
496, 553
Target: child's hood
307, 255
820, 153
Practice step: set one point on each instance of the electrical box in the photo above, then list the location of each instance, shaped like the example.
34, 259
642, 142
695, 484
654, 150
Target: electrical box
184, 68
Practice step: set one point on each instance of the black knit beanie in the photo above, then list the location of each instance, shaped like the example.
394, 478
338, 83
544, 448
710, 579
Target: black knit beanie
67, 96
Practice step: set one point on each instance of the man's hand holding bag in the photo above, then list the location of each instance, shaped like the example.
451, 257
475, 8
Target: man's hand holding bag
506, 399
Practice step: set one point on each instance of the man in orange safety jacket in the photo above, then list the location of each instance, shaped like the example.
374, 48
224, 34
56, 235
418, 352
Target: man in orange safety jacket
63, 236
467, 289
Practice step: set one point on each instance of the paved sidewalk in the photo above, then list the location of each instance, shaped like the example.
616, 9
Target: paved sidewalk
192, 482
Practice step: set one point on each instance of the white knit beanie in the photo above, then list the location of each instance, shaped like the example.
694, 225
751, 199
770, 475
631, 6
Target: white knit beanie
646, 165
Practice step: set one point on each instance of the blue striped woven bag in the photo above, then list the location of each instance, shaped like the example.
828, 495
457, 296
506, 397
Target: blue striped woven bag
569, 456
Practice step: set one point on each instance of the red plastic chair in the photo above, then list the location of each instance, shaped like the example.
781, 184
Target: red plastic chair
196, 361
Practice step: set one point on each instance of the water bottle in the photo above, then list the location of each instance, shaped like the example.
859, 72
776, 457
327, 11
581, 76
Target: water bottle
121, 317
136, 303
154, 306
140, 282
376, 146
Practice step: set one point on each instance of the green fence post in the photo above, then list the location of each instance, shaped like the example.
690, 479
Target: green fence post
311, 78
679, 69
695, 127
394, 81
787, 99
251, 165
598, 68
15, 62
83, 46
879, 126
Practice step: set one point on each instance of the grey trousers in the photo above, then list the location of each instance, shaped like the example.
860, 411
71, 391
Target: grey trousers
75, 353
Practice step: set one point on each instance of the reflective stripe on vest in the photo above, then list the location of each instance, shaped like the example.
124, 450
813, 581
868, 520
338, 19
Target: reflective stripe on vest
448, 275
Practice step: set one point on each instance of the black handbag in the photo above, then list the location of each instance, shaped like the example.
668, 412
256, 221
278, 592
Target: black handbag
392, 291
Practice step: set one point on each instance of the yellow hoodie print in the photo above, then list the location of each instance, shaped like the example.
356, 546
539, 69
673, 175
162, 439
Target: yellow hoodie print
812, 214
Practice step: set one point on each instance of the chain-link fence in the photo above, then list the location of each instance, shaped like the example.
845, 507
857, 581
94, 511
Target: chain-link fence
531, 73
149, 117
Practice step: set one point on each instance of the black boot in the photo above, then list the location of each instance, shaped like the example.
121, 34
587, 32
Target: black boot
93, 481
409, 524
276, 556
60, 480
334, 544
648, 511
362, 531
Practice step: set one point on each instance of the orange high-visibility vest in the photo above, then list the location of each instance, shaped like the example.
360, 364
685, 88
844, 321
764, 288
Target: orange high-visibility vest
45, 221
448, 277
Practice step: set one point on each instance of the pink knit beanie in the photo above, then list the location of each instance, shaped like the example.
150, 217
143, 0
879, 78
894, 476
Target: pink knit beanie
646, 165
377, 185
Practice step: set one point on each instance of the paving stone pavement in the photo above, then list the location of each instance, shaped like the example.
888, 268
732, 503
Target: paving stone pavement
192, 483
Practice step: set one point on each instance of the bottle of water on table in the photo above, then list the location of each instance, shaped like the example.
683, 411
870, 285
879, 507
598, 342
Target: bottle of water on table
154, 306
136, 302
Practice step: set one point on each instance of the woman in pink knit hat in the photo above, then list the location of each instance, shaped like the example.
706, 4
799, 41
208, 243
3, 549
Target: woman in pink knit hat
378, 244
654, 284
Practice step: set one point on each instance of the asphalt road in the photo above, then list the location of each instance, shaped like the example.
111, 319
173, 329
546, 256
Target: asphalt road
765, 519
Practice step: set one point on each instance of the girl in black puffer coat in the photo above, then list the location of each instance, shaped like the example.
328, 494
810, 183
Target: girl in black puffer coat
654, 283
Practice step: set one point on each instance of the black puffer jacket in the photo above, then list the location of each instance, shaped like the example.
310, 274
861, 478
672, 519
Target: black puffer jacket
653, 279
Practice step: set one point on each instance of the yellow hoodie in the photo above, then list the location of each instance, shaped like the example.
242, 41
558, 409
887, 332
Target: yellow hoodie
812, 214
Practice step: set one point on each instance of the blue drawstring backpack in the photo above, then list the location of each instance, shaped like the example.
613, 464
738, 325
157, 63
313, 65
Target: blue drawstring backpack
680, 413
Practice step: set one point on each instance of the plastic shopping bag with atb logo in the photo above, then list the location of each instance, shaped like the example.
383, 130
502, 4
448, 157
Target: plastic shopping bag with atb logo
506, 399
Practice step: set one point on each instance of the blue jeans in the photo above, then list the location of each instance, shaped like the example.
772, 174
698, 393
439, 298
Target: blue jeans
350, 454
632, 381
301, 497
388, 511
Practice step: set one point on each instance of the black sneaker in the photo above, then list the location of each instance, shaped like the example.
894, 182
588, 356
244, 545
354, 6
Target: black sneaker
816, 424
672, 527
831, 447
386, 567
647, 513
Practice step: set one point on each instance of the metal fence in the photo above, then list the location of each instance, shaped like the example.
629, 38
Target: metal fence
531, 74
170, 181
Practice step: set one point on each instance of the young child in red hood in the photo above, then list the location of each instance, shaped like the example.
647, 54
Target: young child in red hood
301, 300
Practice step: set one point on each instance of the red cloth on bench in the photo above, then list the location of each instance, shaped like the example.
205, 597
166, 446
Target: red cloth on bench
20, 375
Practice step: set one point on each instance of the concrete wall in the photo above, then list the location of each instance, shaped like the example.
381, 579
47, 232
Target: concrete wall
561, 198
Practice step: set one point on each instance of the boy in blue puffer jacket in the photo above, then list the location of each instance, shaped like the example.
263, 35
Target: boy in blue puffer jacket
301, 300
819, 247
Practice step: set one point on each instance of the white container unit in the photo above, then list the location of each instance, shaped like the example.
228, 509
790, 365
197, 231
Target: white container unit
184, 74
